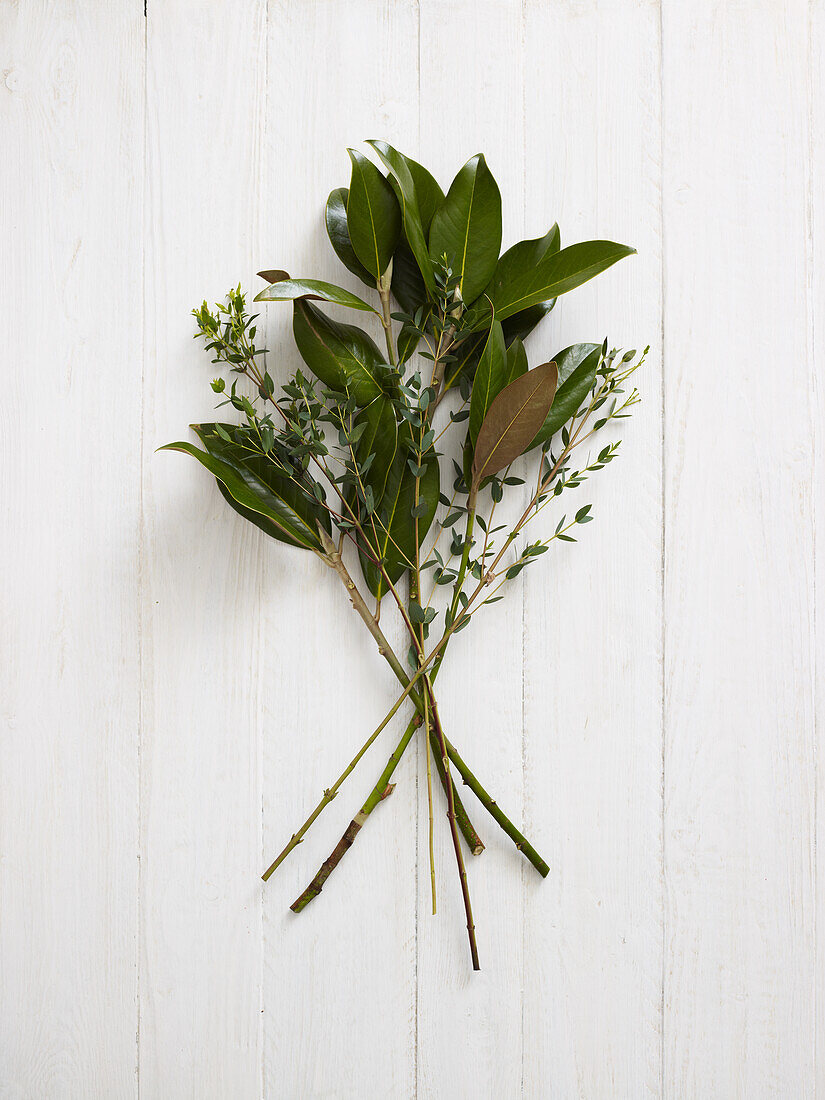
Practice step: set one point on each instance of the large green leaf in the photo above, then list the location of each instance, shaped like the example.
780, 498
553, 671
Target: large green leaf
412, 178
516, 361
466, 356
296, 491
335, 217
380, 438
271, 500
342, 356
292, 290
521, 257
555, 273
490, 378
408, 286
467, 227
373, 215
577, 372
394, 522
521, 324
419, 196
513, 420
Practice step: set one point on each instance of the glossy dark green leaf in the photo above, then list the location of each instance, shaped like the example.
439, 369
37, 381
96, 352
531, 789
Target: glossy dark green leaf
293, 290
467, 227
519, 258
513, 420
416, 209
226, 442
394, 523
467, 355
577, 372
342, 356
521, 324
489, 378
522, 257
408, 286
282, 508
335, 217
555, 273
380, 438
516, 361
373, 215
406, 171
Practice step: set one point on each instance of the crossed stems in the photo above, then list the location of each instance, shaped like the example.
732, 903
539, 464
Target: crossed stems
426, 705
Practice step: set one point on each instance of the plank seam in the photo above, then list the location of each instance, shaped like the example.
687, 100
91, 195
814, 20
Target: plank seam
663, 545
141, 565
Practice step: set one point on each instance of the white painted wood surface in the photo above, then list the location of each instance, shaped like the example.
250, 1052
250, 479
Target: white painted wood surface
648, 703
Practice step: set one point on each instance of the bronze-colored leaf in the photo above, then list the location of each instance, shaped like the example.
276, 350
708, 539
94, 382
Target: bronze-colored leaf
274, 276
513, 420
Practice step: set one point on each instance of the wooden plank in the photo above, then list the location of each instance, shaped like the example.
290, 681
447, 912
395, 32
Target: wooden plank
816, 334
71, 115
739, 791
469, 1031
201, 795
339, 995
593, 610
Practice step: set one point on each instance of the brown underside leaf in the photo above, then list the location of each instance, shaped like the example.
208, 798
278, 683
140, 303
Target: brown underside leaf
513, 420
274, 276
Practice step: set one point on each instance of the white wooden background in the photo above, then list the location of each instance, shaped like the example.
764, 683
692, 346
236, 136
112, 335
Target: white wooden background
177, 690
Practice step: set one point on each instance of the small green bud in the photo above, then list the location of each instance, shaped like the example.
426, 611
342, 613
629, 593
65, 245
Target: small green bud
218, 385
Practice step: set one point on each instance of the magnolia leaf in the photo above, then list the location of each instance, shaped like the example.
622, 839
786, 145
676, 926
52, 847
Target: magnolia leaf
226, 442
521, 324
467, 227
408, 286
380, 438
274, 276
516, 361
522, 257
284, 511
513, 420
293, 290
373, 215
490, 378
412, 178
419, 196
342, 356
556, 273
395, 528
577, 371
335, 217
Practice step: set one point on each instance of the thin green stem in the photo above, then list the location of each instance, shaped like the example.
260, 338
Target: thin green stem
331, 792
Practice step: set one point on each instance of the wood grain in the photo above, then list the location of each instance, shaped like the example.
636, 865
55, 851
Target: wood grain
71, 118
593, 740
200, 982
339, 979
739, 773
470, 1024
177, 690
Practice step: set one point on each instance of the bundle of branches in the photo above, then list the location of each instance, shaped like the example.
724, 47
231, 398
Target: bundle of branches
352, 453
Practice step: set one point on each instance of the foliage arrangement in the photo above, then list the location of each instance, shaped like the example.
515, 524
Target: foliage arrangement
355, 452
